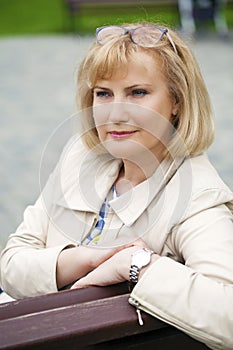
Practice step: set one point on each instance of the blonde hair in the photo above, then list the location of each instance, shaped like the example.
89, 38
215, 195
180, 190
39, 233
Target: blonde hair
194, 120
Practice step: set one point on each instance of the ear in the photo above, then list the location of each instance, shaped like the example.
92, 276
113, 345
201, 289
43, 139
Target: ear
175, 107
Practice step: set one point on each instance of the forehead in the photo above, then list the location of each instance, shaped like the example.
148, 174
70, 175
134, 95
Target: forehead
137, 64
144, 60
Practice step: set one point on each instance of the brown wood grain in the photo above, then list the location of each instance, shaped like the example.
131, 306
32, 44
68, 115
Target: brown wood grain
92, 318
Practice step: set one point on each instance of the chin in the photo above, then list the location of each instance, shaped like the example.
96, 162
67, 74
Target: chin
124, 150
118, 153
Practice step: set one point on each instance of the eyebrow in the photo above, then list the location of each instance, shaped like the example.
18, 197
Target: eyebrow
100, 87
127, 88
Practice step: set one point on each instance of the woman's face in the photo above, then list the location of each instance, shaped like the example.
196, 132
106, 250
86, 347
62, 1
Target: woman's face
132, 110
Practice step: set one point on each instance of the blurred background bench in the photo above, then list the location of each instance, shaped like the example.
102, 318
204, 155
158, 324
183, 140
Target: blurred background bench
192, 13
92, 318
74, 6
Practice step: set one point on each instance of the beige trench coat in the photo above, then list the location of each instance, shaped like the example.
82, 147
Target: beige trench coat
183, 212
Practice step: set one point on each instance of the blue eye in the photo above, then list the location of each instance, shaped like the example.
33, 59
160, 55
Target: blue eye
139, 92
102, 93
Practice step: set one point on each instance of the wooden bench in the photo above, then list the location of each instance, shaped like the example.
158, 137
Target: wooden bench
74, 6
93, 318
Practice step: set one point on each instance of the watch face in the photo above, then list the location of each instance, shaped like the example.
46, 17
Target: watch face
141, 258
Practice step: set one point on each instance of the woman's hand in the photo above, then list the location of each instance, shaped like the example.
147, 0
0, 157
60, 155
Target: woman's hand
112, 271
95, 256
75, 262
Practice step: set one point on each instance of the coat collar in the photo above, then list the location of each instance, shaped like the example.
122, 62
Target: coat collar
133, 203
86, 177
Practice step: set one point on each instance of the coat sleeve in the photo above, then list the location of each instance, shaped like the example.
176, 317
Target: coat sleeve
197, 296
27, 266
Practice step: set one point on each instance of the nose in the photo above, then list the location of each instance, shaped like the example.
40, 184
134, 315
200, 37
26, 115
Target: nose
119, 113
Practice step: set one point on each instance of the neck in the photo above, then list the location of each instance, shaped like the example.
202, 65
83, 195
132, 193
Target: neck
134, 172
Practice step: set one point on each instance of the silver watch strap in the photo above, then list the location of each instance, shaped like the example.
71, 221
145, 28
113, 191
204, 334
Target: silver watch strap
134, 273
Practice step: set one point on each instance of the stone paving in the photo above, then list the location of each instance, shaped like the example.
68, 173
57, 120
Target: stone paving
37, 87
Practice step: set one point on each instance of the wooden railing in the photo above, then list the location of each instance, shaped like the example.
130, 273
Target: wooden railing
92, 318
74, 6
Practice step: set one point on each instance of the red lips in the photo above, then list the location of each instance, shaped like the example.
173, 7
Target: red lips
122, 134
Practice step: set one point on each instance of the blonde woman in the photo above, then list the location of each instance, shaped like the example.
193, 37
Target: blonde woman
135, 198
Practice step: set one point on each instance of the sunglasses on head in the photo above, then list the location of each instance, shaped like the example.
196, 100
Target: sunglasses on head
145, 36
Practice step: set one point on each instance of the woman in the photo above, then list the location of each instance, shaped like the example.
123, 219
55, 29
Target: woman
138, 187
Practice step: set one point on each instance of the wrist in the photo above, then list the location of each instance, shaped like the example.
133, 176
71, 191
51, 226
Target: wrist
140, 259
154, 258
70, 266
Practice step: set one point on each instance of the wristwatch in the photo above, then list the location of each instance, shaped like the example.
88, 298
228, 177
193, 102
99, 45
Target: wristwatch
139, 259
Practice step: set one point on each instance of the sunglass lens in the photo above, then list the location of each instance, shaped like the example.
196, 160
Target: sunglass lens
107, 33
146, 36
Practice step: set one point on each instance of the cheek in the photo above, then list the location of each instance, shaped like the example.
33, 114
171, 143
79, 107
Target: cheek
101, 115
97, 118
156, 126
98, 122
163, 104
101, 133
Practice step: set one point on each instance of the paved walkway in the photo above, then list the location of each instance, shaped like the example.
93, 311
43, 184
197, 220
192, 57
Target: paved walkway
37, 93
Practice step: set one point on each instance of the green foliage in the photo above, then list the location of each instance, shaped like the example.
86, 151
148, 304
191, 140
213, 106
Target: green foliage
30, 17
95, 16
39, 17
19, 17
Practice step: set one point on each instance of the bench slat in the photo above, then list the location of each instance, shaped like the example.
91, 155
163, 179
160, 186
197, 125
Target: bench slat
92, 318
87, 323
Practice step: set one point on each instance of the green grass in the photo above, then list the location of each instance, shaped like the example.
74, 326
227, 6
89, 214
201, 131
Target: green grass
42, 17
30, 17
92, 17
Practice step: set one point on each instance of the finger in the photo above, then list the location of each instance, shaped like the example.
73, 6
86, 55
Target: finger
81, 283
139, 243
